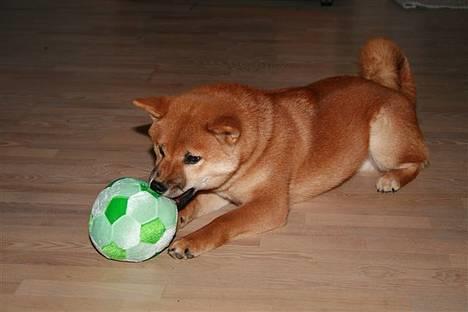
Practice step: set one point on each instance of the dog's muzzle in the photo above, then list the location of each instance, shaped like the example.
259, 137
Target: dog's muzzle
181, 201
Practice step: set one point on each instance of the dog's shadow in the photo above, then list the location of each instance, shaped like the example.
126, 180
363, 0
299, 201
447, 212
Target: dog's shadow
143, 130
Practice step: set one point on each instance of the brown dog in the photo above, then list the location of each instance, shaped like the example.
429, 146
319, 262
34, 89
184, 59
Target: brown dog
264, 150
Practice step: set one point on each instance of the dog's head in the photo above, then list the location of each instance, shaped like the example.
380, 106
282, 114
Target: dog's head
195, 143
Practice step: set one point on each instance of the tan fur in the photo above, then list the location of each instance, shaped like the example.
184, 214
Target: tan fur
264, 150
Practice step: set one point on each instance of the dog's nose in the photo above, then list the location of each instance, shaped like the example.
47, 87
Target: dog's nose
158, 186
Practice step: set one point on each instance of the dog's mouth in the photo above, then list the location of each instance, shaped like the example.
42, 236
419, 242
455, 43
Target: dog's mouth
183, 199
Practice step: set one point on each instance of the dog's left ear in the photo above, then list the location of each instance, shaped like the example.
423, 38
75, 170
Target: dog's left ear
227, 129
156, 106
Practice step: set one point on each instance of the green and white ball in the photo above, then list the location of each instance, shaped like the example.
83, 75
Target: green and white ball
131, 222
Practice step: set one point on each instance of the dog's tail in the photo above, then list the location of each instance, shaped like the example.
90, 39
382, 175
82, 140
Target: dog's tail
382, 61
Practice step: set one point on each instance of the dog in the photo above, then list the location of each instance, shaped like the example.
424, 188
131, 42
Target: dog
265, 150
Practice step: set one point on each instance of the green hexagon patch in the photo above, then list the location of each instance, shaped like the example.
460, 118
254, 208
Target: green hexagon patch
114, 252
152, 231
116, 208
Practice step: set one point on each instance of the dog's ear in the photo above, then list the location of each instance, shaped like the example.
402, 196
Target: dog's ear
227, 129
156, 106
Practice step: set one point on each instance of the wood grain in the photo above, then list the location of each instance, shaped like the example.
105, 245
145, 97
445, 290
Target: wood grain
68, 73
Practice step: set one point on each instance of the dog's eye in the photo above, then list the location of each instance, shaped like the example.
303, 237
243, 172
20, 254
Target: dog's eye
190, 159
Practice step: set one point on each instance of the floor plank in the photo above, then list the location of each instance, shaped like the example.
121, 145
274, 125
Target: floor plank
68, 73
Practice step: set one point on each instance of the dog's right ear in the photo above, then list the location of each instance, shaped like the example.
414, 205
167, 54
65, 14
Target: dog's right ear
156, 106
226, 129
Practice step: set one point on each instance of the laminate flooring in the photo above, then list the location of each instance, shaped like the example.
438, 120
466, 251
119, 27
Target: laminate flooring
68, 73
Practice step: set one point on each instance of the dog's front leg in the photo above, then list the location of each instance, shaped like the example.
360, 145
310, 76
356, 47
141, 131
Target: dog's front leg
202, 204
259, 215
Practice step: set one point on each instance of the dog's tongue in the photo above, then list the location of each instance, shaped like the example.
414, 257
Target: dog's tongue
183, 199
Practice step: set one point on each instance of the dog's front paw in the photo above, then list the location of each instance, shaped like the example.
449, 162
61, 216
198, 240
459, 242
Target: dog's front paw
183, 249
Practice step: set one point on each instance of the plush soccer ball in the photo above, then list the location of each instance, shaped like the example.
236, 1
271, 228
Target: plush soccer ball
130, 222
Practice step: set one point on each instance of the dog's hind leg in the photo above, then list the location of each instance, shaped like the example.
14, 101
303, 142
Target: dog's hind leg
396, 145
394, 179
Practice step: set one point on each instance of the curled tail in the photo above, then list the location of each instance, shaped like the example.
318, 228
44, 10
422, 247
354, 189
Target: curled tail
382, 61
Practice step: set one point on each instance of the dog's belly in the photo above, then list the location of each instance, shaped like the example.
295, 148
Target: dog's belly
368, 167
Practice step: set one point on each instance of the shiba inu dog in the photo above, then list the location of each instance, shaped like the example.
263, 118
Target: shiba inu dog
265, 150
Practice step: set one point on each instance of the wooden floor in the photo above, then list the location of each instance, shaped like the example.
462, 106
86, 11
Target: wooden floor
68, 73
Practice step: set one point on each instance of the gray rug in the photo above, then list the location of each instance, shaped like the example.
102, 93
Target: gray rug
434, 4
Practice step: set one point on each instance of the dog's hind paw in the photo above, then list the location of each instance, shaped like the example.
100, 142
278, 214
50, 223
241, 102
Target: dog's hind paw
388, 183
